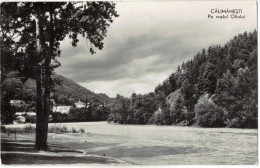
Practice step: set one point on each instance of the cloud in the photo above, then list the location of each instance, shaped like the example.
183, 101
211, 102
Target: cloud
147, 42
121, 59
126, 86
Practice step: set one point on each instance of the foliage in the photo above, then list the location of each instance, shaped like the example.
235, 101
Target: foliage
82, 130
119, 110
29, 129
12, 88
94, 113
238, 97
58, 129
30, 119
226, 74
158, 117
209, 114
73, 130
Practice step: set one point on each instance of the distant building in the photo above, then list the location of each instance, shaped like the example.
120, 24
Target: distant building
17, 103
25, 113
80, 104
19, 120
62, 109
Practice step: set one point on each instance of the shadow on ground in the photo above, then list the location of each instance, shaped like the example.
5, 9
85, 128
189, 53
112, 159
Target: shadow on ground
22, 152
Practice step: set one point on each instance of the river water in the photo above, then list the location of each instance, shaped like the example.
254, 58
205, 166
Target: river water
165, 145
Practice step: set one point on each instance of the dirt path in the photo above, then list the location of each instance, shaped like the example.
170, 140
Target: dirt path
21, 151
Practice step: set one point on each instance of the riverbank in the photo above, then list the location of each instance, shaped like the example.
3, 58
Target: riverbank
19, 150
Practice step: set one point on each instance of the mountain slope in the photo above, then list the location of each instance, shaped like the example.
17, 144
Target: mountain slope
65, 91
71, 91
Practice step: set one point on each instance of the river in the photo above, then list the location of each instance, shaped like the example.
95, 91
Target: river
164, 145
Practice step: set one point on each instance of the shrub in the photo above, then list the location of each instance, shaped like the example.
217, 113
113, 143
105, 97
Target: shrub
158, 117
58, 130
31, 129
64, 129
73, 130
209, 115
30, 119
82, 130
242, 123
27, 129
3, 129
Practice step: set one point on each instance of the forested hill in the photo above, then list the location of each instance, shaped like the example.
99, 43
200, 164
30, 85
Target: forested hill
217, 88
65, 91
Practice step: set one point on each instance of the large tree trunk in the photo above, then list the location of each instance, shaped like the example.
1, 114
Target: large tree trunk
42, 103
41, 131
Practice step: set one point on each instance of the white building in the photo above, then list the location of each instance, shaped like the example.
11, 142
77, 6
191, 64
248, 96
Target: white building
16, 102
27, 113
62, 109
80, 104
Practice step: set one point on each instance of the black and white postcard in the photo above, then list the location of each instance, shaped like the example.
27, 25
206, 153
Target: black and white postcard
123, 83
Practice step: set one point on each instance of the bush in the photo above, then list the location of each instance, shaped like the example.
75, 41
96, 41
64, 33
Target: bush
30, 119
82, 130
158, 117
27, 129
58, 130
64, 129
73, 130
53, 129
242, 123
209, 115
234, 123
3, 129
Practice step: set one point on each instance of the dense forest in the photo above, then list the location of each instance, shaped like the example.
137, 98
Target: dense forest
217, 88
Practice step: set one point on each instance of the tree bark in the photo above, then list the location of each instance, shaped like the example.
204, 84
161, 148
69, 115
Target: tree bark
47, 78
41, 110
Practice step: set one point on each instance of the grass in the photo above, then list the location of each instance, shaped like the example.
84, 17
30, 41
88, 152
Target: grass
29, 129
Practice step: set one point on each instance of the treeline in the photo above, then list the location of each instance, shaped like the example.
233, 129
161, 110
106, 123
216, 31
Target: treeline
93, 113
217, 88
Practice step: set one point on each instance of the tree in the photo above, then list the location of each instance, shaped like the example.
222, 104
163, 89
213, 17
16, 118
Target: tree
209, 115
225, 94
158, 117
172, 81
246, 98
119, 110
210, 78
189, 101
38, 50
238, 98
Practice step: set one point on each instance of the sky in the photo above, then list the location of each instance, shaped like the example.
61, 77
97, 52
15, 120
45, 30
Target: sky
147, 42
